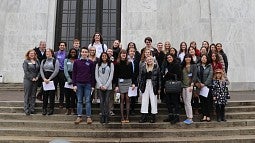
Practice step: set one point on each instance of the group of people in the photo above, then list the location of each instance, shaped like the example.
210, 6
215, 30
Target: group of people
100, 72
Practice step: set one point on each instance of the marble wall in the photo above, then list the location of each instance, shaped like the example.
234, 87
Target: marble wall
230, 22
23, 24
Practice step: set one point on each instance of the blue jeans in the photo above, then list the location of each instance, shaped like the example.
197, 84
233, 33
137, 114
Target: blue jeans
83, 90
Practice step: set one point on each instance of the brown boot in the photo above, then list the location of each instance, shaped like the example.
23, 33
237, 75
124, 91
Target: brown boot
78, 120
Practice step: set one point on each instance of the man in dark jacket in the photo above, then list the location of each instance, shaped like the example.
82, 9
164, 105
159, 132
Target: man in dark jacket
41, 54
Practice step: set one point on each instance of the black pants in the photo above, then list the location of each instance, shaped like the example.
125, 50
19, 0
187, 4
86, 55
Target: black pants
173, 103
132, 103
206, 104
104, 101
61, 79
70, 98
50, 94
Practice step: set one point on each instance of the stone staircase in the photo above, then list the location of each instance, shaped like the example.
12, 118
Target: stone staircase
11, 87
16, 127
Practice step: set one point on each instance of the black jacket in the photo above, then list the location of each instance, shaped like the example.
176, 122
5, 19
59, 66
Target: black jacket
170, 70
39, 54
155, 78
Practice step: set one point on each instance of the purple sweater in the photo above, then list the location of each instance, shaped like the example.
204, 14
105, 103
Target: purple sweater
83, 72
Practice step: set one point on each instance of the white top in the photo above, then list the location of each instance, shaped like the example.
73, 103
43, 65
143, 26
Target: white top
99, 49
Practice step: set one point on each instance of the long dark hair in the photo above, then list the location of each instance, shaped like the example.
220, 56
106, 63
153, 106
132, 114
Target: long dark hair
101, 60
122, 51
129, 47
93, 38
186, 49
69, 53
183, 64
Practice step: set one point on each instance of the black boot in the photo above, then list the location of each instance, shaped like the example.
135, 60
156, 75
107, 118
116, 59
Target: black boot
223, 113
169, 119
218, 113
44, 111
176, 119
143, 118
153, 118
102, 119
106, 119
51, 112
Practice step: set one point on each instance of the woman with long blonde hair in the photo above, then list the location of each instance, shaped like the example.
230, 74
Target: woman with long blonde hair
149, 84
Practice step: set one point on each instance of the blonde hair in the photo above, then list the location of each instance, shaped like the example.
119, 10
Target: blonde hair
143, 58
149, 67
222, 75
27, 54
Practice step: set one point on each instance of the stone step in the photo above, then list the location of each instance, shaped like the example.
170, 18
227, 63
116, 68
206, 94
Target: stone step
53, 124
127, 133
11, 87
137, 105
164, 111
135, 118
195, 139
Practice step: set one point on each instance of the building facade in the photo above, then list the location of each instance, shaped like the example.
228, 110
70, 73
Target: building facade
231, 22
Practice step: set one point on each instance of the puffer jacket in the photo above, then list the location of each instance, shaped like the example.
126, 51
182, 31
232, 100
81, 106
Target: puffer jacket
155, 78
207, 74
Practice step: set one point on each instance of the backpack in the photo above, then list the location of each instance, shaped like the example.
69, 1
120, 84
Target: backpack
54, 62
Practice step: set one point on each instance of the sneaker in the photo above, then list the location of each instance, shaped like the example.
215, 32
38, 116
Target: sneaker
188, 121
89, 120
112, 113
78, 120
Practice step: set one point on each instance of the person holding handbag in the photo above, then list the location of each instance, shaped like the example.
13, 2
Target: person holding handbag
205, 74
171, 70
189, 77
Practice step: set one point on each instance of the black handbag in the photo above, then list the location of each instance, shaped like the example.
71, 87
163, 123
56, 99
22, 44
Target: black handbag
173, 86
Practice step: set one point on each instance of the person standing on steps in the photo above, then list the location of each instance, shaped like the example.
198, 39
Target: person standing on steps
189, 78
49, 70
61, 55
97, 42
204, 80
41, 55
149, 84
135, 60
220, 94
104, 76
124, 78
170, 71
31, 67
68, 70
84, 83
